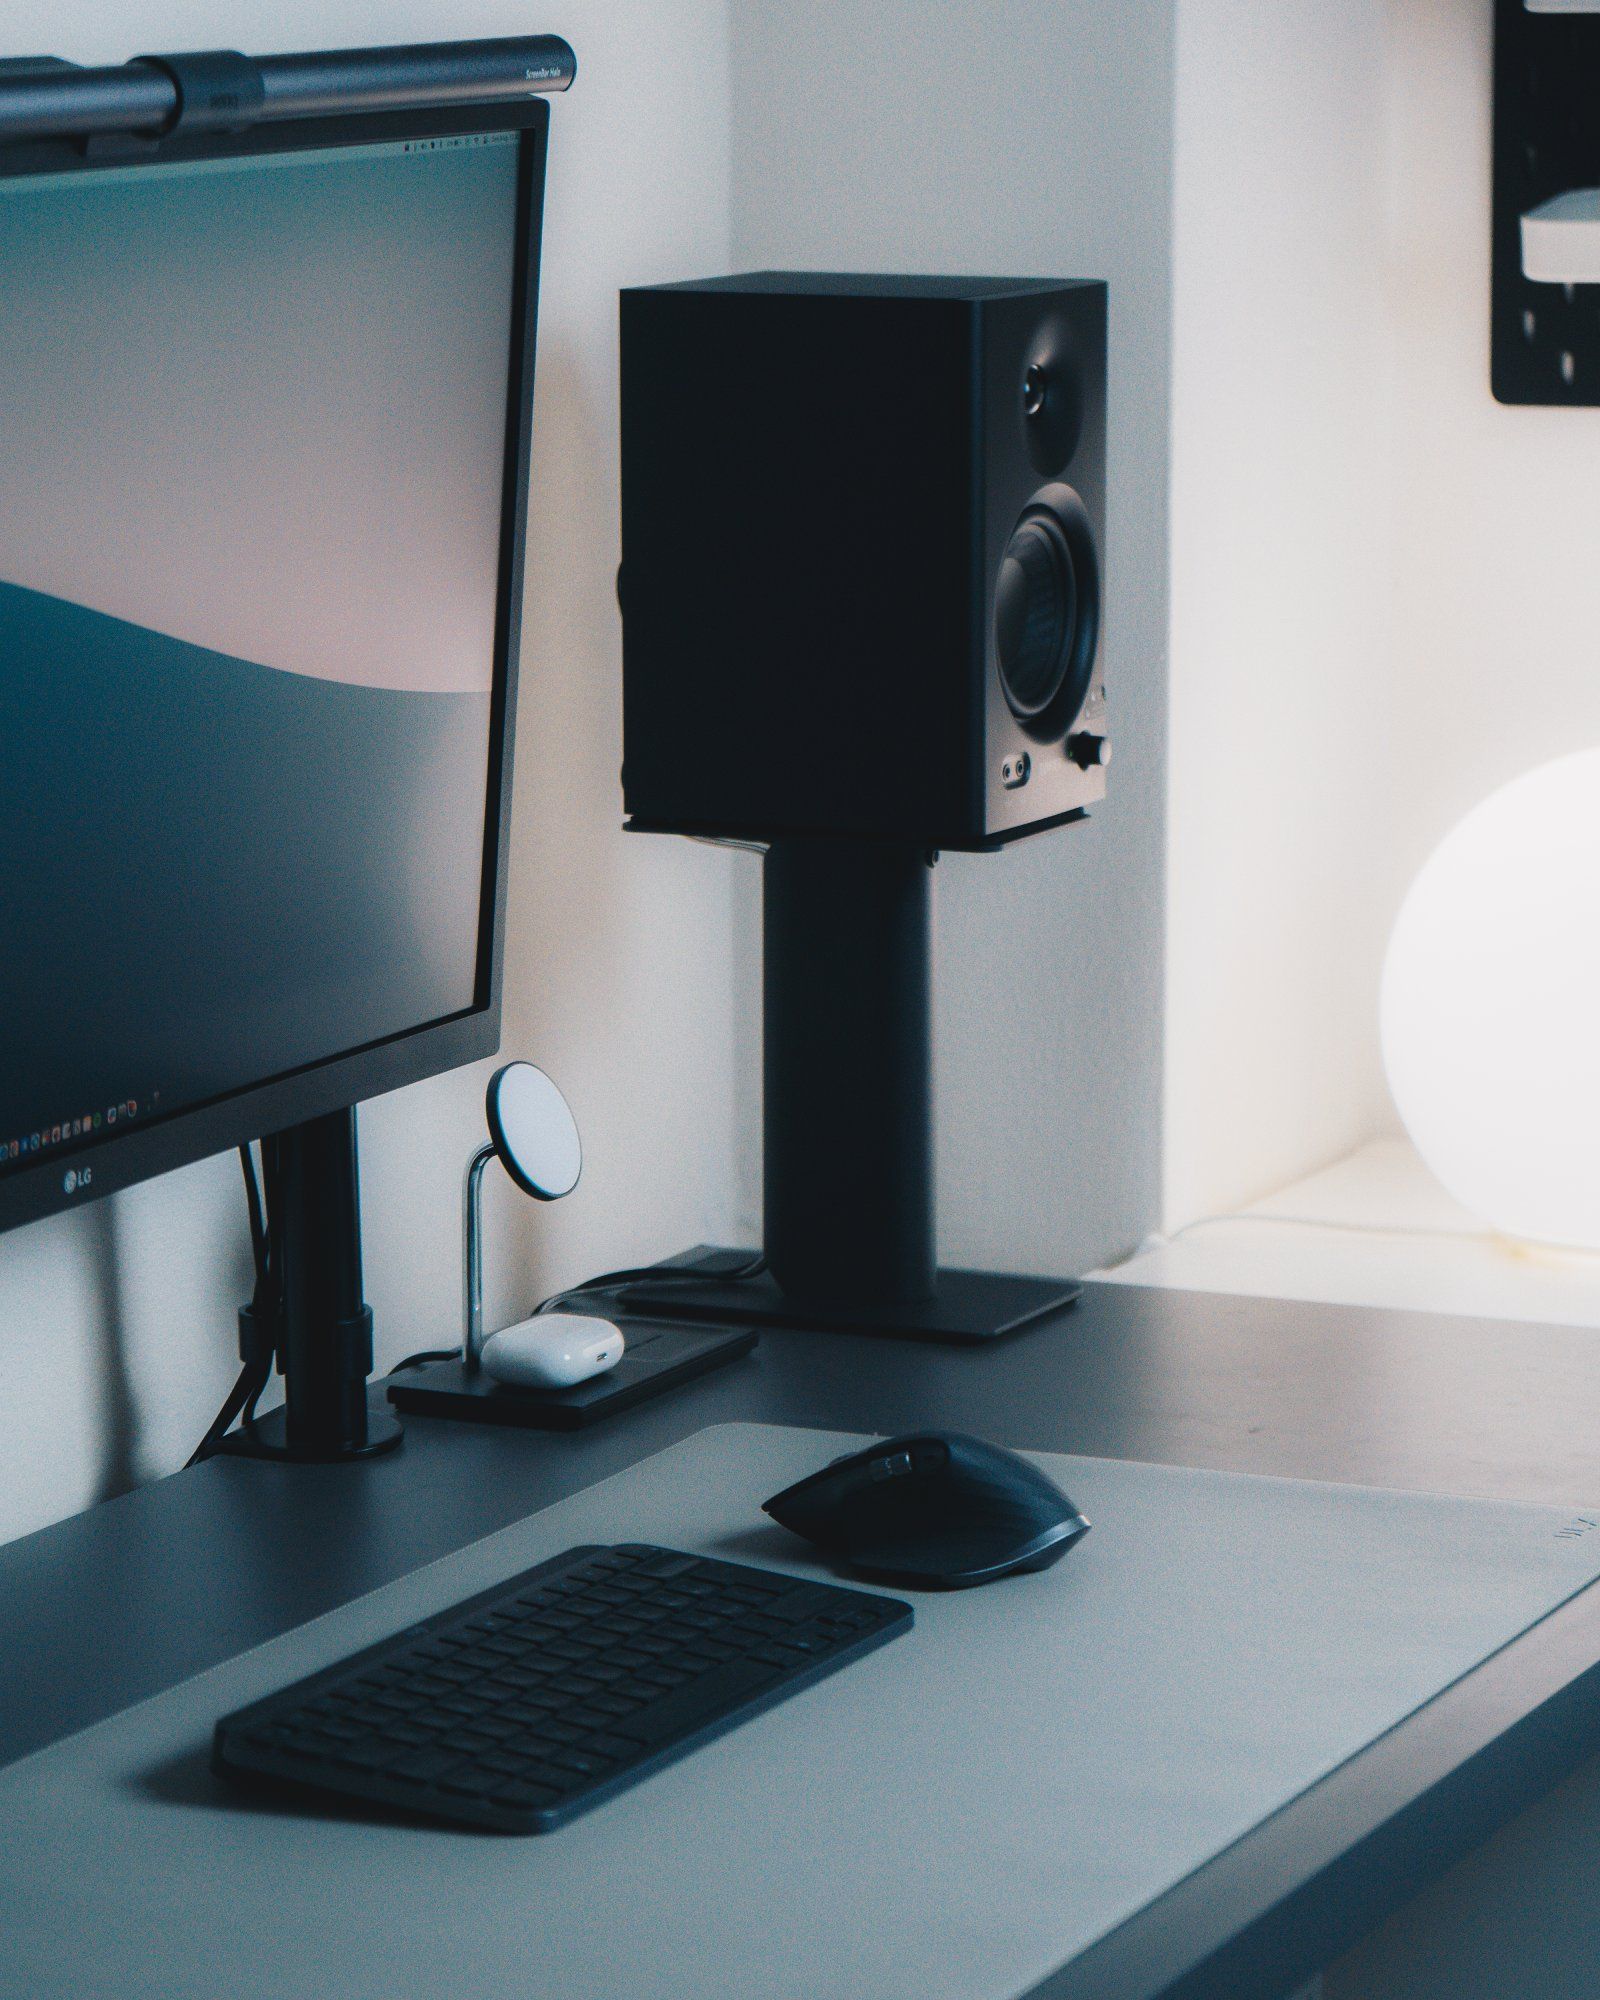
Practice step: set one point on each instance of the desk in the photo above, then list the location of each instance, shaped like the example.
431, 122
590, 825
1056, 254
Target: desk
115, 1605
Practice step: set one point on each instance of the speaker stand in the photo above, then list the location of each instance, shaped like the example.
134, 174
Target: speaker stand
847, 1151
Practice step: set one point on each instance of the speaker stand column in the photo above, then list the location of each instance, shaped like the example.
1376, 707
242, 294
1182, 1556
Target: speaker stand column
848, 1135
847, 1074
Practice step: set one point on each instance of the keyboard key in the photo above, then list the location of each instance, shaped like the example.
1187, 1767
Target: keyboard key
722, 1686
780, 1654
421, 1767
549, 1774
555, 1731
466, 1741
505, 1762
807, 1642
411, 1732
530, 1707
390, 1702
663, 1562
476, 1660
618, 1748
584, 1762
470, 1780
590, 1720
370, 1756
563, 1649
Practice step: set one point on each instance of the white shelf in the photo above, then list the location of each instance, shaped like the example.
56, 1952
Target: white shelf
1374, 1230
1561, 237
1562, 6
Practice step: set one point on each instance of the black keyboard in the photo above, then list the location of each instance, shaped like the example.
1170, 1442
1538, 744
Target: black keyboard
537, 1699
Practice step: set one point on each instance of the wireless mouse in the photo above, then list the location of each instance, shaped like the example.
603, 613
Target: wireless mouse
932, 1508
552, 1351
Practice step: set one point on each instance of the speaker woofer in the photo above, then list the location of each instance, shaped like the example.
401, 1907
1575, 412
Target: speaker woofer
1047, 612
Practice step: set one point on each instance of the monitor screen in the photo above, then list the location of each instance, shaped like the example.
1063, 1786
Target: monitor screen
253, 438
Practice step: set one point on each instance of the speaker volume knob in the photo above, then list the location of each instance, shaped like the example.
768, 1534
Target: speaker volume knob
1087, 751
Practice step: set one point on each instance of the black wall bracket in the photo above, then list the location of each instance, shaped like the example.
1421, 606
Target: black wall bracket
1544, 335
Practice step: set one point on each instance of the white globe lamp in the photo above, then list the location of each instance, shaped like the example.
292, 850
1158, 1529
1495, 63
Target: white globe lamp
1491, 1007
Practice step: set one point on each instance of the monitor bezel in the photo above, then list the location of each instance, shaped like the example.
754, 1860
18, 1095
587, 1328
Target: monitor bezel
69, 1177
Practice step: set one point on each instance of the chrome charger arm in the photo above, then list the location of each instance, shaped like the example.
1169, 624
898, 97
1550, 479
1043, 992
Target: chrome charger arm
472, 1261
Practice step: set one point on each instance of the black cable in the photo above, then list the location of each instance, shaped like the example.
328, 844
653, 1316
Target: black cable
258, 1226
655, 1274
609, 1281
253, 1376
427, 1354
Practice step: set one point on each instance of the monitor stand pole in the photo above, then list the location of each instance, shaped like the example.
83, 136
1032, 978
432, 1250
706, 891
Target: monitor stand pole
324, 1335
848, 1142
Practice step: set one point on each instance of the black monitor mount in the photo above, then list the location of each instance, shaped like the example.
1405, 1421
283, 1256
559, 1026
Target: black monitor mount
316, 1326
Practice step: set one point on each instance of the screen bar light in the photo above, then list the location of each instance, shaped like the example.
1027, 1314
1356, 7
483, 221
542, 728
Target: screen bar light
153, 97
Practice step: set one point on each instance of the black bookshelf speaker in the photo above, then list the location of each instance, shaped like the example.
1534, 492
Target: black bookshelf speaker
863, 556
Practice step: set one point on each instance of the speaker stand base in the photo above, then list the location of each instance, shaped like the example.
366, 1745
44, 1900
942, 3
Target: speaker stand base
967, 1307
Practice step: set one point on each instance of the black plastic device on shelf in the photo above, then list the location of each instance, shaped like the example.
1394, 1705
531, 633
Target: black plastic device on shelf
1545, 336
861, 587
541, 1697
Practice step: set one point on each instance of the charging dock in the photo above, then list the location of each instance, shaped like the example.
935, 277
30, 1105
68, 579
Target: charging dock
659, 1356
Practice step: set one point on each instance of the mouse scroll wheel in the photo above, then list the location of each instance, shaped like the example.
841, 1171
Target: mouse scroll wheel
895, 1466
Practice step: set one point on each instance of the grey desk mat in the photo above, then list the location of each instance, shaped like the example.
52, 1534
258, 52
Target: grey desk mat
958, 1814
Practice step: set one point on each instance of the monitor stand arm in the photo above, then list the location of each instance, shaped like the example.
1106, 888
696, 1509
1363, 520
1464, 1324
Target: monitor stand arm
324, 1333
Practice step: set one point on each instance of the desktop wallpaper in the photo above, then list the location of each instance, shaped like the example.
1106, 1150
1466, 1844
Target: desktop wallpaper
252, 420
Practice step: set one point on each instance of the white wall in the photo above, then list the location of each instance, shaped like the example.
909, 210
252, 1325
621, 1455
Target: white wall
117, 1322
1032, 138
1385, 600
1497, 610
1283, 774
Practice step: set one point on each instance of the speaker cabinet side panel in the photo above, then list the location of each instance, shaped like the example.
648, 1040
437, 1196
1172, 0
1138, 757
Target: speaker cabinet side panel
797, 520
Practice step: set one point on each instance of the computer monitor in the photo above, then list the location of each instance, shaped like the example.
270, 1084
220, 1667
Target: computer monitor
264, 429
